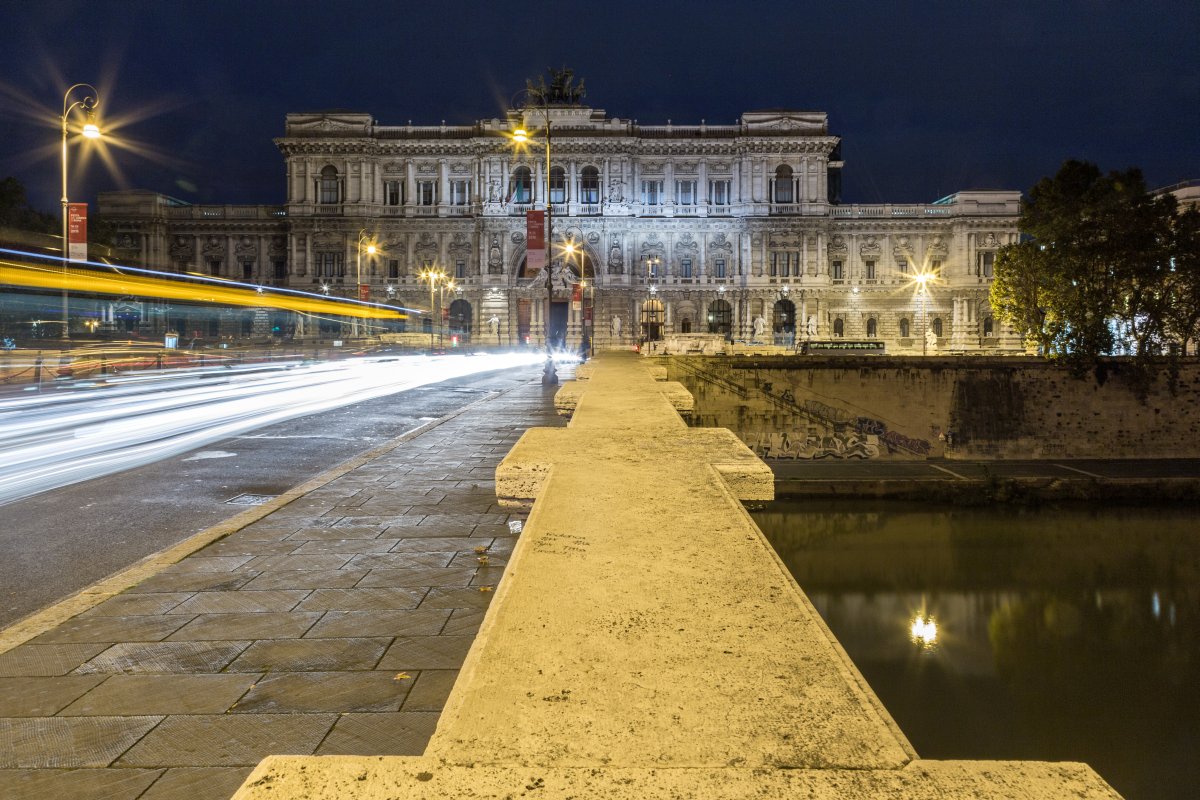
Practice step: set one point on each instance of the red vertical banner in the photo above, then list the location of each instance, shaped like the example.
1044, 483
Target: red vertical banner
535, 240
77, 231
364, 292
577, 292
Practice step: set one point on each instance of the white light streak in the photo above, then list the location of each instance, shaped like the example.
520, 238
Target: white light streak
53, 439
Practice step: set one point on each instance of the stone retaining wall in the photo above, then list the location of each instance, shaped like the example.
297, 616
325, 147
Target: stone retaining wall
966, 407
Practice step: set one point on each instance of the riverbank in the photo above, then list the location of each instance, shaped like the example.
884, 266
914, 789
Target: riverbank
1111, 481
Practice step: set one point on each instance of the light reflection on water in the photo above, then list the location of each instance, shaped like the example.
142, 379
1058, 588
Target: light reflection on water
1051, 634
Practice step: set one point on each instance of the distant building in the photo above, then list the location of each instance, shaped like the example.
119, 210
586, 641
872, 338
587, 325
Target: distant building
729, 229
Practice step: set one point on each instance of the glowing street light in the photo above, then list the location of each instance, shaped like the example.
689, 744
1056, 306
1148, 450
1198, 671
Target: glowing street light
90, 130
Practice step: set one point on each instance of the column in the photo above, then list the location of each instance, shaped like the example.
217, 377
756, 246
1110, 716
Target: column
702, 186
410, 183
443, 183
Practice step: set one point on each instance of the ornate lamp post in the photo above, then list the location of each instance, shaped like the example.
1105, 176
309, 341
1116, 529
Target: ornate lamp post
90, 131
561, 91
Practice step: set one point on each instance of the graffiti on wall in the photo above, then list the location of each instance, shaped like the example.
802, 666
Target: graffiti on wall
793, 444
892, 439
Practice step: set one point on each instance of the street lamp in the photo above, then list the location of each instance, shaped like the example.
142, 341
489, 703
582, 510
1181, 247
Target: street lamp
371, 249
90, 131
434, 277
520, 136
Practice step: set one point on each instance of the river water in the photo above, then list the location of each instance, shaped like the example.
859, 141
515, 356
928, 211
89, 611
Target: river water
1065, 634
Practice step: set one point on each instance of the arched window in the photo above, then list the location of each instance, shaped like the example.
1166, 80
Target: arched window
988, 327
520, 189
720, 317
904, 328
589, 186
783, 184
558, 185
872, 328
784, 317
937, 327
329, 186
839, 327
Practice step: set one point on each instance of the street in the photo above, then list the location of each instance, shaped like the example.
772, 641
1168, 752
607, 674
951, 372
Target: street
55, 542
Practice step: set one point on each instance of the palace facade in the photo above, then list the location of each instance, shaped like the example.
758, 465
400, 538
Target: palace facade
656, 230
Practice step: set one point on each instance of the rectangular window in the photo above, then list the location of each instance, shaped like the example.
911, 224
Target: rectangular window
902, 266
589, 187
719, 267
558, 185
984, 267
718, 192
393, 269
870, 270
214, 266
685, 268
426, 193
652, 192
774, 264
391, 192
247, 270
330, 265
838, 273
685, 193
460, 269
460, 193
279, 269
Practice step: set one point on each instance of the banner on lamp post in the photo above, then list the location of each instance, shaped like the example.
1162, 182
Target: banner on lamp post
364, 292
576, 296
535, 241
77, 231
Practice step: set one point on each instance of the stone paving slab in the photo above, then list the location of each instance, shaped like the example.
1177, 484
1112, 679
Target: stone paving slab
42, 697
273, 638
195, 783
227, 740
69, 742
79, 784
133, 695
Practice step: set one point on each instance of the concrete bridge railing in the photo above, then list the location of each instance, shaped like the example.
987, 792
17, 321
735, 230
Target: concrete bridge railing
646, 642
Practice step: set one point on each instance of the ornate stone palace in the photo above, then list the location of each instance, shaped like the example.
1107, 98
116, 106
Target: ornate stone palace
729, 229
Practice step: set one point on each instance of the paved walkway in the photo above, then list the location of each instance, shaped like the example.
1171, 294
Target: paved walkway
334, 625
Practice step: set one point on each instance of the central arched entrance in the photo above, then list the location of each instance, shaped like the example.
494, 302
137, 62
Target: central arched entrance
720, 317
459, 321
652, 320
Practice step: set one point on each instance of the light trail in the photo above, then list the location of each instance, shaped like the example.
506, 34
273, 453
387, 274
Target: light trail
94, 429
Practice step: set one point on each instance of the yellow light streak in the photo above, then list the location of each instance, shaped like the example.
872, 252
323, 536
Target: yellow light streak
14, 273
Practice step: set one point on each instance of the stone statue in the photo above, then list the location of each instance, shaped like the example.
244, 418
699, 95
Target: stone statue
931, 339
812, 326
616, 191
615, 326
494, 324
494, 191
760, 325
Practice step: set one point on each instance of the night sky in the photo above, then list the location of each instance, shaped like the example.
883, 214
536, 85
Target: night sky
929, 98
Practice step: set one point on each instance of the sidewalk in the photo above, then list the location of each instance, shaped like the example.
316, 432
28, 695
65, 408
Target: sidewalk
334, 625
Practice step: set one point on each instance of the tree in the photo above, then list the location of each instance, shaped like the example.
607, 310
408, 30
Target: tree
1021, 294
15, 211
1097, 264
1182, 303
